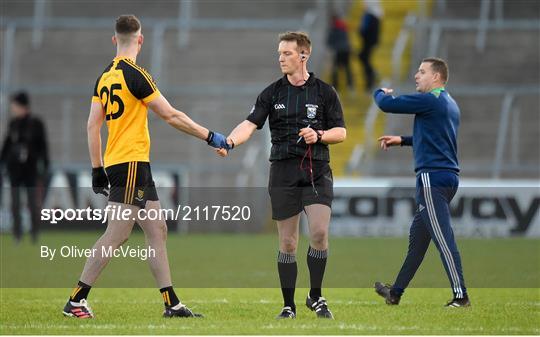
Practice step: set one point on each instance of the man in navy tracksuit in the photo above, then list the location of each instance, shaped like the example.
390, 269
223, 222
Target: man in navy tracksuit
434, 143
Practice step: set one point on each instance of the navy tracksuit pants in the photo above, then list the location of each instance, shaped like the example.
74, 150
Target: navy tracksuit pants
434, 192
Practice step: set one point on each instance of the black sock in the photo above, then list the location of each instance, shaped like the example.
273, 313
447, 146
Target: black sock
288, 271
169, 296
80, 292
316, 261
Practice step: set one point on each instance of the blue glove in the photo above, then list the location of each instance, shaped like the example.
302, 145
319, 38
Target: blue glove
217, 140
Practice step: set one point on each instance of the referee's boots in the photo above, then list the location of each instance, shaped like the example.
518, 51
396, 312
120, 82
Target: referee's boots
385, 291
286, 312
459, 302
320, 307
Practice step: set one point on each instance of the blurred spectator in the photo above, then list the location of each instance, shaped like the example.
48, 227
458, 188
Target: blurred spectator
24, 154
338, 41
369, 31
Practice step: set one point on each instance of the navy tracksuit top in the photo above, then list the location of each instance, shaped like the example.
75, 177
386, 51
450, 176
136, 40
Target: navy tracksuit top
436, 124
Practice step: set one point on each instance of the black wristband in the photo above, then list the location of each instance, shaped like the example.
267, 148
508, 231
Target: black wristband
210, 136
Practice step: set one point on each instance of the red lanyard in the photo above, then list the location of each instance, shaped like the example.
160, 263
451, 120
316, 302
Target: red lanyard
309, 167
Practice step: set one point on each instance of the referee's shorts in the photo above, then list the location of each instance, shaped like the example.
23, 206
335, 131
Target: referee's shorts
291, 190
131, 183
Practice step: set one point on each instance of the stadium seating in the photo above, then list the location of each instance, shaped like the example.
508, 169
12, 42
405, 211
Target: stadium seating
215, 78
478, 82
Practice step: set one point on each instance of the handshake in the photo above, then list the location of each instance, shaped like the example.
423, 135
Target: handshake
219, 141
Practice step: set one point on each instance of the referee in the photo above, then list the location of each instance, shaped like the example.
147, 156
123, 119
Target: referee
305, 116
434, 142
122, 95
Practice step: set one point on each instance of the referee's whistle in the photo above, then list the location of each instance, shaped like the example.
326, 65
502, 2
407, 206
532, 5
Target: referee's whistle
300, 138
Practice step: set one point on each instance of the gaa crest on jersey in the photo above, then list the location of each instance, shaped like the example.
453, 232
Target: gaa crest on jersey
311, 110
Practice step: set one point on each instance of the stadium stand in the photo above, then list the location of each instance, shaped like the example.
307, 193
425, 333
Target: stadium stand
215, 78
356, 106
503, 74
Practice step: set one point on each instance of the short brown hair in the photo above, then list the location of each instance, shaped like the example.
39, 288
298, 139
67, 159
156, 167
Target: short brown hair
127, 24
438, 65
302, 40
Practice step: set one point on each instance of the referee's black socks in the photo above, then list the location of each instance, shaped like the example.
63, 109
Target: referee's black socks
316, 261
80, 292
169, 296
288, 270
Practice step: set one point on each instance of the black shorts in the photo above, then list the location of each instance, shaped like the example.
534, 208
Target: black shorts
291, 190
131, 183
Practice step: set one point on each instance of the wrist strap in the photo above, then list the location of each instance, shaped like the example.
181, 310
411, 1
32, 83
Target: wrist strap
320, 133
210, 136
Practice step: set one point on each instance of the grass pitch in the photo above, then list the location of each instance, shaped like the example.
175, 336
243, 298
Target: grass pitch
252, 312
232, 280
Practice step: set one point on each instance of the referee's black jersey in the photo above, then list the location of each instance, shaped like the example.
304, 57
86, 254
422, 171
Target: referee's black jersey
290, 108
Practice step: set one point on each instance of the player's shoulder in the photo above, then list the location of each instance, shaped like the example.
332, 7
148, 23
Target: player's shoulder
138, 79
130, 64
131, 68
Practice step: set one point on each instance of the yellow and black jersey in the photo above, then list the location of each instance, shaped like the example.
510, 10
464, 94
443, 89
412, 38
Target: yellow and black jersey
123, 90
